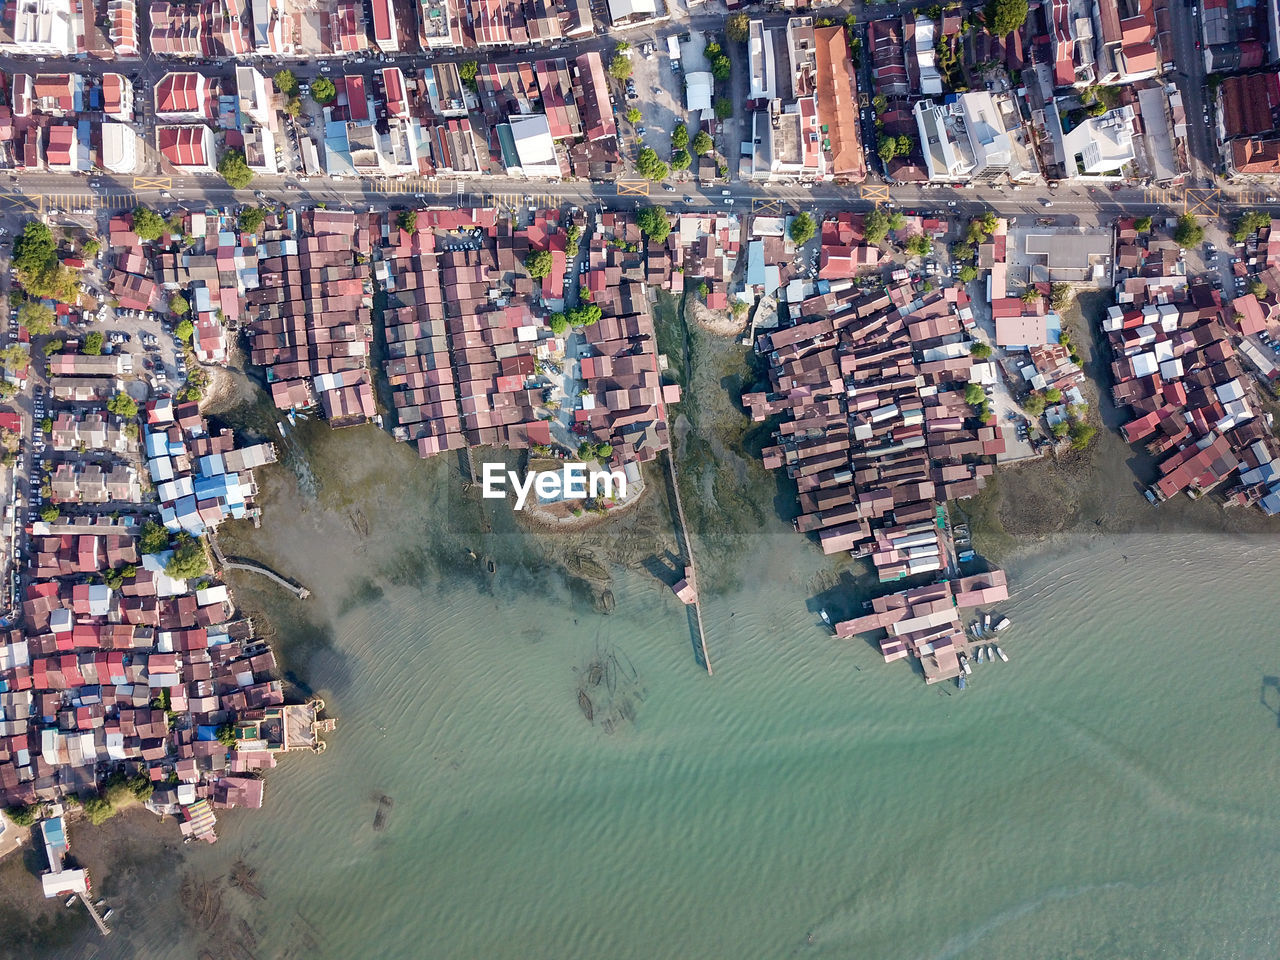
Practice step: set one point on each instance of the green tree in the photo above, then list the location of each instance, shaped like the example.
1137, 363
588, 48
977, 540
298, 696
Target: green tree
92, 345
1258, 288
226, 735
1033, 404
1060, 429
14, 357
293, 106
251, 219
620, 66
148, 224
702, 143
802, 228
962, 251
407, 220
880, 102
25, 815
584, 315
90, 248
234, 169
286, 82
574, 235
988, 221
558, 323
680, 160
654, 224
1059, 296
98, 809
649, 166
323, 91
905, 145
1081, 434
189, 560
897, 221
1030, 295
737, 27
980, 350
968, 273
721, 68
974, 395
1249, 223
51, 347
123, 405
37, 318
115, 578
875, 226
50, 514
1095, 109
633, 115
1005, 16
703, 290
919, 245
538, 264
1053, 395
679, 137
723, 108
887, 147
178, 305
183, 330
1187, 233
34, 249
154, 539
1142, 224
467, 71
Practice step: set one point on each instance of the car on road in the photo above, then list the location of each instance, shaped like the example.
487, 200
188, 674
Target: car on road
326, 69
668, 187
1046, 203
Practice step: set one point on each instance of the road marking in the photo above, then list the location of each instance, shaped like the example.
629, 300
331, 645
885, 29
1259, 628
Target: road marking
1201, 201
30, 203
877, 192
773, 207
633, 188
1161, 196
153, 183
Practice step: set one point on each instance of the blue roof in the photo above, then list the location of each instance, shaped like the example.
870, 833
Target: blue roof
206, 733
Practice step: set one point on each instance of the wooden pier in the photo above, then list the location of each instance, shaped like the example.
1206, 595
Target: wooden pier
93, 912
693, 570
253, 566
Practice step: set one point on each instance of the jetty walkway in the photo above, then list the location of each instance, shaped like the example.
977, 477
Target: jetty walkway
253, 566
693, 570
93, 912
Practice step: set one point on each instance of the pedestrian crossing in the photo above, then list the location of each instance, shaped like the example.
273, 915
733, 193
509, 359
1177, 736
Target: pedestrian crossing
414, 185
88, 202
1163, 196
516, 201
1255, 196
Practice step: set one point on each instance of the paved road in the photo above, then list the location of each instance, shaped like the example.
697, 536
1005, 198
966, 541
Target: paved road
1189, 77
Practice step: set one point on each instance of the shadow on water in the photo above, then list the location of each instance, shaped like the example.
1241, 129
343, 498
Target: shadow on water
1271, 684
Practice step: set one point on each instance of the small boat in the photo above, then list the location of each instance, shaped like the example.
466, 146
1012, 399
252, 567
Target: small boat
991, 654
986, 623
964, 663
280, 427
826, 617
71, 899
1002, 655
1002, 623
960, 681
980, 654
108, 914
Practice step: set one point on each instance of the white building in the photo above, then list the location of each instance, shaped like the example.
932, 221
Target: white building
926, 41
251, 91
699, 87
534, 146
119, 147
978, 136
1099, 145
763, 71
623, 12
40, 27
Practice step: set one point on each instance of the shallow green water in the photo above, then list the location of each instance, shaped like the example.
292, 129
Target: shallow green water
1110, 792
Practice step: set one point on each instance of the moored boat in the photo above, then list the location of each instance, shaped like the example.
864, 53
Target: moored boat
826, 617
991, 654
1002, 655
980, 655
960, 681
1002, 623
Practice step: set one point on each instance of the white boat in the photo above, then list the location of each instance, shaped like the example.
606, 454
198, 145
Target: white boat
826, 617
980, 654
968, 667
1002, 655
986, 623
1002, 623
991, 654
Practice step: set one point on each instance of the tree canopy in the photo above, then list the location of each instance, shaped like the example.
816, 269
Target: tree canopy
251, 219
620, 66
650, 166
967, 274
35, 257
1188, 232
702, 143
584, 315
37, 318
1250, 222
919, 245
1005, 16
974, 394
286, 82
122, 405
721, 66
178, 305
875, 226
1081, 434
323, 91
148, 224
92, 345
407, 220
723, 108
802, 228
14, 357
467, 71
737, 27
679, 137
558, 323
188, 560
980, 350
538, 264
633, 115
183, 330
1034, 404
155, 538
1142, 224
234, 169
654, 223
680, 160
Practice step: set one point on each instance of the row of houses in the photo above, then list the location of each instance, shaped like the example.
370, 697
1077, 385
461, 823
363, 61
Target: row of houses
875, 429
1178, 373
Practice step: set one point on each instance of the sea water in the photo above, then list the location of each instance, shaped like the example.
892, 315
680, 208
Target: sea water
1110, 792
